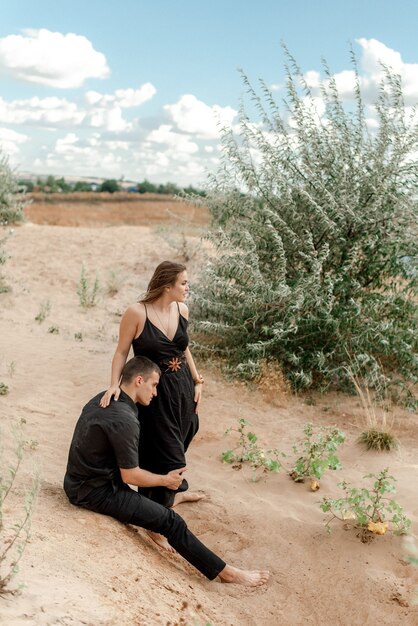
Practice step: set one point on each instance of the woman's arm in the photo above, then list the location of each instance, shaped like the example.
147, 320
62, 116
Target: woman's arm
130, 325
197, 379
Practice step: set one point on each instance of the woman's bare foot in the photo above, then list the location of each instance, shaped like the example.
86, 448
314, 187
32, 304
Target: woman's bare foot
248, 578
187, 496
161, 541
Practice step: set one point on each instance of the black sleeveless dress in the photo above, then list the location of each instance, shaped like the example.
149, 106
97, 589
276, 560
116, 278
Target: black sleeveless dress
170, 422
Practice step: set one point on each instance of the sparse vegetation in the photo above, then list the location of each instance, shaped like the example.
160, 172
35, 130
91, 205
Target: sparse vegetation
368, 510
378, 434
113, 282
176, 235
4, 389
87, 293
44, 311
317, 454
14, 531
54, 330
248, 451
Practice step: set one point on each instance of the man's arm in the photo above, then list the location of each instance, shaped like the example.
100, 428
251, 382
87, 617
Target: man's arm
142, 478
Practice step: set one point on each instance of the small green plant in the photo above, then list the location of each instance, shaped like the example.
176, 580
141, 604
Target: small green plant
11, 368
14, 532
78, 336
368, 510
43, 311
4, 389
317, 454
87, 293
248, 451
54, 330
113, 282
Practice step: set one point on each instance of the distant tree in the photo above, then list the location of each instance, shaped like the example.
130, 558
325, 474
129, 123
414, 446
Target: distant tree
81, 185
169, 189
192, 191
25, 185
62, 185
11, 201
146, 187
314, 223
110, 186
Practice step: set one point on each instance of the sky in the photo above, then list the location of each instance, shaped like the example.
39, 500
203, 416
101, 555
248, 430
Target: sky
138, 89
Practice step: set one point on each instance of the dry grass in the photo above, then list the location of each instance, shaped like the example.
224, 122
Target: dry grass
272, 383
379, 416
106, 209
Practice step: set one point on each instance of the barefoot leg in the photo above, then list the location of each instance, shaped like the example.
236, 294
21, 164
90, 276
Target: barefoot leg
248, 578
187, 496
160, 540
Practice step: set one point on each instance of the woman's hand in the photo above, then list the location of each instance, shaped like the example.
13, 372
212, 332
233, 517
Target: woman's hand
198, 387
114, 390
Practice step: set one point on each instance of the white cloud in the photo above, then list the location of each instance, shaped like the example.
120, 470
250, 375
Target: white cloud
195, 117
125, 98
109, 119
135, 97
51, 58
374, 54
10, 140
180, 143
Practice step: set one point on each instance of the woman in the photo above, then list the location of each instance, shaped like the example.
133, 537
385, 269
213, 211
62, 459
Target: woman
156, 327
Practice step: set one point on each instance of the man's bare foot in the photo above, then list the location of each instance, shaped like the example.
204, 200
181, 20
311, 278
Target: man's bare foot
161, 541
187, 496
248, 578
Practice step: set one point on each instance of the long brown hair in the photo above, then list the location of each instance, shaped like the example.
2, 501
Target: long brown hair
165, 275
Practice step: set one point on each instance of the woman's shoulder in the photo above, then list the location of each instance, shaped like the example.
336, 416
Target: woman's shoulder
184, 310
135, 313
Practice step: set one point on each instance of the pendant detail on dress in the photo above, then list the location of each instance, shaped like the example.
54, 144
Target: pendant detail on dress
174, 364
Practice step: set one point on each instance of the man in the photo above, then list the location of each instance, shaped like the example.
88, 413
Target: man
103, 462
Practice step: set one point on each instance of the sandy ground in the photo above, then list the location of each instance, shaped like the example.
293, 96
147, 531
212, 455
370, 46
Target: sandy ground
83, 568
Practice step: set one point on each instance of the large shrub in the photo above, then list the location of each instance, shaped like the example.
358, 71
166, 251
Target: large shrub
314, 226
11, 202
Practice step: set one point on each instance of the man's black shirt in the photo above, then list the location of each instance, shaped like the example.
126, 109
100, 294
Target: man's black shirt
104, 440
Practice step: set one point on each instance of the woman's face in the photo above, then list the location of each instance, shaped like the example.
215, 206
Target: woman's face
180, 290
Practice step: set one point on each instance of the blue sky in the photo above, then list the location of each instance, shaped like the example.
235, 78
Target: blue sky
135, 88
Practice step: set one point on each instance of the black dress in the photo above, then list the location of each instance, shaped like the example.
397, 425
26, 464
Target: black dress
170, 422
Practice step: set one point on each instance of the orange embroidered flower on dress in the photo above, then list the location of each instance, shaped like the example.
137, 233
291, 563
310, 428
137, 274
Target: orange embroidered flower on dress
174, 364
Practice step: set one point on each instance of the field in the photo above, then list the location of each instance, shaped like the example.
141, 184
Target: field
83, 568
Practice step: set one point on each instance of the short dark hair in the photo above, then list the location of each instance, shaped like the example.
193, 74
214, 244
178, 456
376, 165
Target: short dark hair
138, 366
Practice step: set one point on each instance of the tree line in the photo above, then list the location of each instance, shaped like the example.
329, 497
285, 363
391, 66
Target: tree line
52, 184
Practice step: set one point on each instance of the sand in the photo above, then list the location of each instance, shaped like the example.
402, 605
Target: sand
83, 568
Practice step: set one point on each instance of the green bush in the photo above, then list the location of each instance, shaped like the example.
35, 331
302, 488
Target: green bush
11, 201
314, 230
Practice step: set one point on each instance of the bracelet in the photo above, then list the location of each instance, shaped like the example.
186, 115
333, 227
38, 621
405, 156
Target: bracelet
198, 380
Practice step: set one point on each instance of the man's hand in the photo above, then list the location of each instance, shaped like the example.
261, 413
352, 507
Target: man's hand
175, 478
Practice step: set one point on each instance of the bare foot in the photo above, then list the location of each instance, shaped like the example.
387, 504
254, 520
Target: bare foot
248, 578
187, 496
161, 541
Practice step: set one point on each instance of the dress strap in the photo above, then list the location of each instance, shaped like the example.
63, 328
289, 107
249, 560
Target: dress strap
178, 308
146, 310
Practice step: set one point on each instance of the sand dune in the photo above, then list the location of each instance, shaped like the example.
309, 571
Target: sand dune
83, 568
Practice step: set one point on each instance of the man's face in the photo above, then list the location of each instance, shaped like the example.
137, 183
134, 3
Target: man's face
147, 388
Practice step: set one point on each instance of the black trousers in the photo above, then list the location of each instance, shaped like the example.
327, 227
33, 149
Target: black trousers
130, 507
